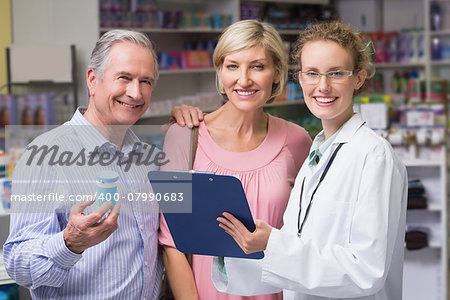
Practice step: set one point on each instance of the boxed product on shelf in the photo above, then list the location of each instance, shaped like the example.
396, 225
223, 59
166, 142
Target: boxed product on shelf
220, 21
205, 20
404, 46
249, 11
438, 90
418, 143
44, 112
416, 195
294, 91
417, 237
169, 60
171, 18
195, 59
286, 15
37, 109
445, 51
416, 90
374, 110
3, 163
5, 194
28, 106
375, 84
419, 116
8, 110
196, 54
14, 154
375, 114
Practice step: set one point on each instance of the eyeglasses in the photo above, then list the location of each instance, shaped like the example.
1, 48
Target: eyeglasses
310, 77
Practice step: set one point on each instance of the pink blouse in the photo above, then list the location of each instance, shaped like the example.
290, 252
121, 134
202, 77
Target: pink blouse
267, 174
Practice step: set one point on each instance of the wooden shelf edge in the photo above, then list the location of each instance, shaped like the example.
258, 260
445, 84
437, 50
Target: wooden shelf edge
165, 30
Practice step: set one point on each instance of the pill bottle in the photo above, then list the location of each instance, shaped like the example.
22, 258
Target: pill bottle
106, 187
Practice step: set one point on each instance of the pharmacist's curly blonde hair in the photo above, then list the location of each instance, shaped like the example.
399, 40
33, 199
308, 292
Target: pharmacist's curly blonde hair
247, 34
343, 35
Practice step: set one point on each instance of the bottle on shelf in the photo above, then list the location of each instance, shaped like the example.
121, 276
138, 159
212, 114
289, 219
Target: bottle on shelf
435, 16
436, 49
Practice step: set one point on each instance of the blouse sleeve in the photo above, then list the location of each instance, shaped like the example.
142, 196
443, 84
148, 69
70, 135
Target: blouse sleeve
177, 145
177, 150
299, 143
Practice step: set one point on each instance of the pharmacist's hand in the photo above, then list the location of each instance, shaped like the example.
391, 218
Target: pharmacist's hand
84, 231
186, 115
249, 242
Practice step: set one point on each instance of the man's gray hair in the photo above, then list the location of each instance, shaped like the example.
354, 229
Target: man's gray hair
100, 55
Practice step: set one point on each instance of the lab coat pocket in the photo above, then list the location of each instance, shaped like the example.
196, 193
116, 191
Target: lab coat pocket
332, 224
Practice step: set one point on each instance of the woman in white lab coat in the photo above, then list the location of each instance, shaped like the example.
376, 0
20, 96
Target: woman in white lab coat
344, 226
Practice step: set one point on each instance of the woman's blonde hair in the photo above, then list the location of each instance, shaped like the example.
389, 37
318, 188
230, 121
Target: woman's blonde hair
345, 36
247, 34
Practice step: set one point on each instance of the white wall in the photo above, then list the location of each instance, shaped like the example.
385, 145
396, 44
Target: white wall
382, 15
69, 21
365, 15
403, 14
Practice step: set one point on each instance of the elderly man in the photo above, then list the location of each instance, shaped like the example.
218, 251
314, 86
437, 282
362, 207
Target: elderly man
76, 250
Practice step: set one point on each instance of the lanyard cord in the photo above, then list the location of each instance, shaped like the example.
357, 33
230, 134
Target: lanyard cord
300, 225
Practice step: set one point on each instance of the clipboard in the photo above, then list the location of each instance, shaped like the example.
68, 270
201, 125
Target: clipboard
206, 196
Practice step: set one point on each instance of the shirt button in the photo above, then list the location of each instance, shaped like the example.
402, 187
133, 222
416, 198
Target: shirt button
141, 227
146, 263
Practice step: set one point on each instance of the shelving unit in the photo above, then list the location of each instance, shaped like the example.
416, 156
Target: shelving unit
186, 71
49, 80
192, 81
290, 106
425, 270
394, 66
425, 273
174, 83
441, 256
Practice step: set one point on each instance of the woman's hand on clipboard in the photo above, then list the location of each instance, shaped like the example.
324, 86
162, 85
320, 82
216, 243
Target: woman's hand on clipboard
249, 242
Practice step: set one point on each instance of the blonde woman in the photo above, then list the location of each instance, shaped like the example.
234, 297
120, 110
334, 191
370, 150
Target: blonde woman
239, 139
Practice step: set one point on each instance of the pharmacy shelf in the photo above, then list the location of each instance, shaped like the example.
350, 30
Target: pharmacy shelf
433, 208
274, 104
423, 163
440, 32
399, 65
289, 31
186, 71
168, 30
443, 63
434, 245
285, 103
323, 2
429, 209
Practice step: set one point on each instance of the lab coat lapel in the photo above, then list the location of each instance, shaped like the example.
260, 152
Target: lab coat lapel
312, 178
344, 136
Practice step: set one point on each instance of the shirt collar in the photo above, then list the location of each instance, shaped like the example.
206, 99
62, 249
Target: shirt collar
93, 140
343, 135
319, 146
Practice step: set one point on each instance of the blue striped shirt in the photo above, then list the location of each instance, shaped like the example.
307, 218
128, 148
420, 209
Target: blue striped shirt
124, 266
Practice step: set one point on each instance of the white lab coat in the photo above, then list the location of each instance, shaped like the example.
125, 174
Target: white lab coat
352, 243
